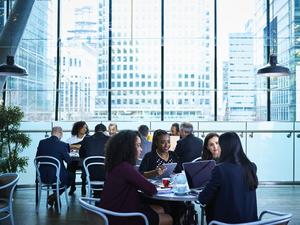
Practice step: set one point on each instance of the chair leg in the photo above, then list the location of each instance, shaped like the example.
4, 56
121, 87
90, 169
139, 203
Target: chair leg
39, 199
202, 215
11, 214
66, 196
58, 201
48, 191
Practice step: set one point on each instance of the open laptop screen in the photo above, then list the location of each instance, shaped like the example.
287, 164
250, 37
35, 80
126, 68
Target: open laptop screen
198, 173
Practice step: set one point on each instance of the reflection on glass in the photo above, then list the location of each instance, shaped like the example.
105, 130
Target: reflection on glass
36, 52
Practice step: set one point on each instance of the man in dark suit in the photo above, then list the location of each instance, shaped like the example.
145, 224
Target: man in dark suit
52, 146
94, 146
188, 147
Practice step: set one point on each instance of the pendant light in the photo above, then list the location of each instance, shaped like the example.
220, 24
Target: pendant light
272, 69
11, 69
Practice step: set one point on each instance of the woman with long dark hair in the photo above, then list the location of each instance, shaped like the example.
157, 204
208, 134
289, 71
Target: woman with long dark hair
230, 195
175, 129
123, 181
211, 147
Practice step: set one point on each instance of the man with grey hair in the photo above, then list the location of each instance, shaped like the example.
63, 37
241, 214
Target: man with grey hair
54, 147
188, 147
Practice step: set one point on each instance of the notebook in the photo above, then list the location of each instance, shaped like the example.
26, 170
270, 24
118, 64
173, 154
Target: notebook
198, 173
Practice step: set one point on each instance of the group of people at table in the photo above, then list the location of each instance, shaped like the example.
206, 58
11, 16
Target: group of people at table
229, 196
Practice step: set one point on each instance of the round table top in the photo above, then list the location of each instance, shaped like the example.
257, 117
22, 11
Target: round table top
171, 195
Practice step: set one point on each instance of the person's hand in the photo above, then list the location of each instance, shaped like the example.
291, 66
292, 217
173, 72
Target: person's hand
160, 170
76, 147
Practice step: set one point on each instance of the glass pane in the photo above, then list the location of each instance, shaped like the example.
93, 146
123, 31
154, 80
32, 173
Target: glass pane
297, 152
136, 64
236, 72
270, 145
282, 26
36, 52
84, 57
188, 60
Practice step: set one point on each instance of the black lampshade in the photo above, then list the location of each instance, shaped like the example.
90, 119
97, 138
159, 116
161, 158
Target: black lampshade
272, 69
11, 69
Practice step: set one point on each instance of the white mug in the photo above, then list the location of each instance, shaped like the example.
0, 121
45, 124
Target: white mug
181, 188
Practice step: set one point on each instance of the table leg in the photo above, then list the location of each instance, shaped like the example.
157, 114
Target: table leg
191, 216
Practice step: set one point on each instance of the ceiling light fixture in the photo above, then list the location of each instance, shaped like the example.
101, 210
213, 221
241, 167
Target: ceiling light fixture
11, 69
272, 69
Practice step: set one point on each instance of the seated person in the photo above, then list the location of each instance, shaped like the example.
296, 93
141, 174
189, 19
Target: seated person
152, 163
189, 147
54, 147
94, 146
112, 129
175, 130
79, 131
230, 195
211, 147
120, 192
146, 145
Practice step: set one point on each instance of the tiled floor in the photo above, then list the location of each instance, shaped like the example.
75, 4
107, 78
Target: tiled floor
278, 198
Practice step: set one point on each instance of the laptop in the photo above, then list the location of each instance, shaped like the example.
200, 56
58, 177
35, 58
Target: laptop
198, 173
169, 170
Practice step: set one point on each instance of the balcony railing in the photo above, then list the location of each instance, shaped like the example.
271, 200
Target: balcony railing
273, 146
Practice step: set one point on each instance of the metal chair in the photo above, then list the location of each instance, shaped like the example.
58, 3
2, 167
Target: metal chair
94, 215
93, 162
279, 219
49, 161
101, 214
8, 182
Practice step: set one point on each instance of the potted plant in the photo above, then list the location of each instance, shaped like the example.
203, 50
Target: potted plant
12, 140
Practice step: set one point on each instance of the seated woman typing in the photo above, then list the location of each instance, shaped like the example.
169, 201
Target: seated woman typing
152, 163
120, 192
230, 195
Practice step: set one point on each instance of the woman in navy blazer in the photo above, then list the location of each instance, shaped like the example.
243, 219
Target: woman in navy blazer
230, 195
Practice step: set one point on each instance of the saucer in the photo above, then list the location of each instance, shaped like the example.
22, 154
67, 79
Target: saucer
181, 193
164, 190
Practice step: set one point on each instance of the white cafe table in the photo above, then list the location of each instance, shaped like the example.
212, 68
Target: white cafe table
171, 196
190, 216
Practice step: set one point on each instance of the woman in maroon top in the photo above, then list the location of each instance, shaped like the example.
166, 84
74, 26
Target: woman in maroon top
120, 192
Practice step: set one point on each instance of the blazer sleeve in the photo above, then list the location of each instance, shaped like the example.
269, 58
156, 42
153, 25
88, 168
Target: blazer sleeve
65, 153
38, 150
83, 147
211, 189
179, 148
137, 180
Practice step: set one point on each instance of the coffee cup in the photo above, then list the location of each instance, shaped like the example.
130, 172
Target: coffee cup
166, 182
181, 188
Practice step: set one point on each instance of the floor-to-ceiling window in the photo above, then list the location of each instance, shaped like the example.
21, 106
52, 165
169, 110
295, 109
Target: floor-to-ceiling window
156, 60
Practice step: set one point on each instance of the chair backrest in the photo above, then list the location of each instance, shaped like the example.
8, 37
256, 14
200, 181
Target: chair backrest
94, 216
112, 213
93, 162
197, 159
8, 182
49, 161
279, 219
